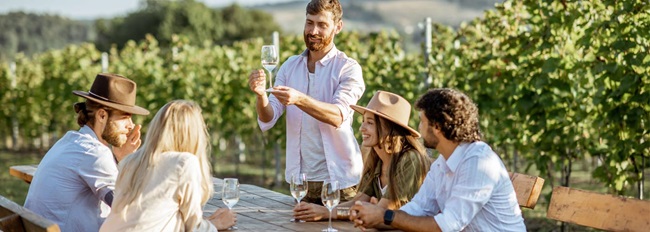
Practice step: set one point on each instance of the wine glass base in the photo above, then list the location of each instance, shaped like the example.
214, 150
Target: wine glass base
329, 230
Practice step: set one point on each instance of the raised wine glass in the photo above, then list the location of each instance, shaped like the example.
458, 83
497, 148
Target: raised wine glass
330, 196
298, 188
230, 194
270, 59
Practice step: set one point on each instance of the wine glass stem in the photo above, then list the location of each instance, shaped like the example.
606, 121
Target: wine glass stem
270, 79
330, 224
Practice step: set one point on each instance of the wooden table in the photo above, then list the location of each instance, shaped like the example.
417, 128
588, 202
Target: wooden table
23, 172
258, 209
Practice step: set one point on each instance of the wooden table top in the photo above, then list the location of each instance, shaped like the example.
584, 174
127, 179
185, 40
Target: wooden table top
23, 172
260, 209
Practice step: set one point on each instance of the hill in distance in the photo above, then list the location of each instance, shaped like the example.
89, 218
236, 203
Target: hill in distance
374, 15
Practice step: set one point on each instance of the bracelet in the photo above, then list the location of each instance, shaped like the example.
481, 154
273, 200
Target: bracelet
345, 212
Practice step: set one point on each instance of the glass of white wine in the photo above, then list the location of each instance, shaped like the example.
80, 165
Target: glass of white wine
270, 59
230, 194
330, 195
298, 188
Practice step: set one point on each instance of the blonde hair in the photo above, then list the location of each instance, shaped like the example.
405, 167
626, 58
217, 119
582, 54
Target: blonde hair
178, 126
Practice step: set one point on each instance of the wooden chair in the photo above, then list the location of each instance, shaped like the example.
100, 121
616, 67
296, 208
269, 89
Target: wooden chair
14, 217
600, 211
527, 189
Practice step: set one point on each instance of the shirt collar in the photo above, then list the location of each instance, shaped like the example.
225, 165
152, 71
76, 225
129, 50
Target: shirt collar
88, 131
456, 156
326, 59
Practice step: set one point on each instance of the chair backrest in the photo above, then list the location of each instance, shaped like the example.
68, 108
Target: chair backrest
600, 211
14, 217
527, 188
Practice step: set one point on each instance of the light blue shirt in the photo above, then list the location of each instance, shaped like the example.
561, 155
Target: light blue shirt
71, 179
471, 191
339, 81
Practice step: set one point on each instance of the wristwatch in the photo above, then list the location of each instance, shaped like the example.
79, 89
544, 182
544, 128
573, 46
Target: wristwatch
388, 217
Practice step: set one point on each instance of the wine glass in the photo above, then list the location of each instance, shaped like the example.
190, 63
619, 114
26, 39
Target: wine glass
270, 61
230, 194
298, 188
330, 196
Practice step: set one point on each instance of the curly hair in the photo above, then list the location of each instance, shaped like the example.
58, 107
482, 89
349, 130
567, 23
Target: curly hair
316, 6
453, 112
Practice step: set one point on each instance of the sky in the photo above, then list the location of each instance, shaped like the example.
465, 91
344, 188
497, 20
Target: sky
93, 9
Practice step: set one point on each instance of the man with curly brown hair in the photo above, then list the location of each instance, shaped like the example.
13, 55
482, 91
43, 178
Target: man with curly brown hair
467, 188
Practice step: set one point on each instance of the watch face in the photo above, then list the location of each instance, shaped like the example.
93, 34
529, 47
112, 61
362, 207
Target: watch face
388, 217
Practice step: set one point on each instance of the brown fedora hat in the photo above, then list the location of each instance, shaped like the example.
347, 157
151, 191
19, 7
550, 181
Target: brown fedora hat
114, 91
390, 106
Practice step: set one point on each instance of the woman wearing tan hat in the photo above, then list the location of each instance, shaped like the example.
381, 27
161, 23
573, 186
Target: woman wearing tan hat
396, 165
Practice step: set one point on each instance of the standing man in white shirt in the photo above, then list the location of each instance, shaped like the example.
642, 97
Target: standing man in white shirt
74, 183
467, 188
316, 88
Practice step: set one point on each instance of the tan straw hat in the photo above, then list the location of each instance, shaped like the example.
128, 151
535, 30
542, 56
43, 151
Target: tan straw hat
390, 106
114, 91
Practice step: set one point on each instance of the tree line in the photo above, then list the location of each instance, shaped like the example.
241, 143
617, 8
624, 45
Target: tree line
30, 33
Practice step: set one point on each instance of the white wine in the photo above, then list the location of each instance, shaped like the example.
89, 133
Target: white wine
269, 66
331, 203
230, 202
299, 194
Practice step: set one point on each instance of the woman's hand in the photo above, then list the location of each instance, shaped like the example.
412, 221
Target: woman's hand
311, 212
223, 218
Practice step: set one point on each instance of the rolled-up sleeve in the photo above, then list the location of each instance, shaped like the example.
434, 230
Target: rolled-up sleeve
350, 89
278, 108
99, 171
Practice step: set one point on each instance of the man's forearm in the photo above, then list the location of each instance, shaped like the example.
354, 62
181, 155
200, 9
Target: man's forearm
321, 111
263, 108
406, 222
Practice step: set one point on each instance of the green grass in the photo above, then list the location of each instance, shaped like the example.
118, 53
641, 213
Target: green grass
12, 187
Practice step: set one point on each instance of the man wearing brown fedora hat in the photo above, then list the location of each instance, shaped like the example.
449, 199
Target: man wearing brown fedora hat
74, 183
467, 188
316, 89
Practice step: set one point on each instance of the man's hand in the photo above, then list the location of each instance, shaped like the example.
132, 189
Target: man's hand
133, 142
257, 81
287, 95
366, 215
310, 212
223, 218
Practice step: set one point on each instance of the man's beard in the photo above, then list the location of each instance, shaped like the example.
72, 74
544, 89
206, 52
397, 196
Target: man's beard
433, 143
317, 46
112, 136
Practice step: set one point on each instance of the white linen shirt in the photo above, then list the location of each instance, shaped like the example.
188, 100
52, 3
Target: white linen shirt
471, 191
170, 200
71, 179
340, 82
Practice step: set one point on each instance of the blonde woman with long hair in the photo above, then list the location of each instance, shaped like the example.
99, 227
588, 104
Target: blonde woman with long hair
164, 184
394, 168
